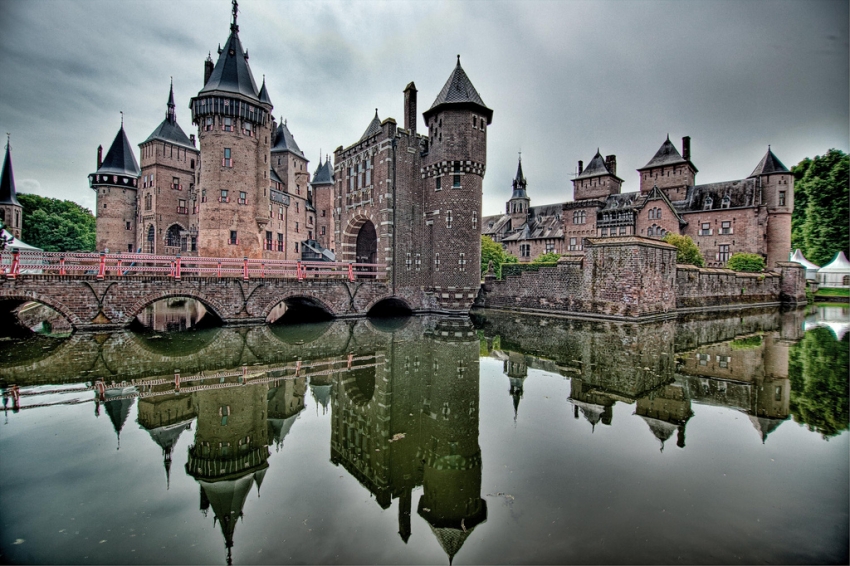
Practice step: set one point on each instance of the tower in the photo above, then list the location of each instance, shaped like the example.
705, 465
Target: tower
292, 220
597, 180
453, 173
234, 132
322, 186
775, 184
517, 207
115, 183
11, 212
168, 202
669, 170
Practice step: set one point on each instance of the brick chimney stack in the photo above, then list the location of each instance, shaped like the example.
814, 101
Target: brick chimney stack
99, 156
611, 164
686, 148
410, 108
580, 166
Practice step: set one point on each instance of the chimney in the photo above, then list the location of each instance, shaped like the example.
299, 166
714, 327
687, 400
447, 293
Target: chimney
686, 148
611, 164
410, 108
580, 167
99, 156
208, 69
192, 139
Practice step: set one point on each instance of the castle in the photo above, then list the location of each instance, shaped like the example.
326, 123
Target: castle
745, 215
395, 198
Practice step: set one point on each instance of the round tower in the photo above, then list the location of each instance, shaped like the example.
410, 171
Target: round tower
115, 183
775, 184
234, 132
453, 177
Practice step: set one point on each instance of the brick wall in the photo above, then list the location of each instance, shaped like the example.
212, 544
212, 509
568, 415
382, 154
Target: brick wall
116, 218
707, 287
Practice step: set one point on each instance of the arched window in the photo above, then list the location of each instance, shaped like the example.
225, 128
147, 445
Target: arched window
579, 217
658, 214
651, 230
172, 236
149, 240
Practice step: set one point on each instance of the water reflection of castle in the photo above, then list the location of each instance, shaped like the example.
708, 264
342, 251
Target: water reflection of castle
662, 369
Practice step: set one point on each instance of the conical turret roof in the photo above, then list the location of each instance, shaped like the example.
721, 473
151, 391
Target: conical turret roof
597, 167
519, 183
458, 91
769, 165
231, 73
169, 130
667, 154
120, 159
8, 194
264, 94
374, 127
284, 141
324, 174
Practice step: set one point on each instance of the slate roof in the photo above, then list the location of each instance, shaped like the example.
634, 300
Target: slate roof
324, 174
169, 130
667, 154
543, 223
8, 194
519, 183
120, 159
374, 127
501, 223
274, 176
458, 90
741, 193
264, 93
769, 164
284, 141
596, 168
231, 73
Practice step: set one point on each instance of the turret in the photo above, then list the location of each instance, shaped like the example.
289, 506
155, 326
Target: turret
168, 202
776, 187
323, 186
671, 171
289, 164
11, 212
454, 173
115, 183
597, 180
234, 132
519, 203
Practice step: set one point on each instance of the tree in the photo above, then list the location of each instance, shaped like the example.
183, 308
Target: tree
548, 257
686, 250
57, 225
493, 251
821, 208
741, 261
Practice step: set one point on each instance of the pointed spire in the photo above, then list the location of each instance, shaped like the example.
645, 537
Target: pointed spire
458, 91
8, 194
769, 165
232, 73
667, 154
519, 182
264, 94
374, 127
120, 159
233, 27
170, 115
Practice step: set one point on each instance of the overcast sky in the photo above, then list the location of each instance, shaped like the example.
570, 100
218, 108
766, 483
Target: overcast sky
562, 78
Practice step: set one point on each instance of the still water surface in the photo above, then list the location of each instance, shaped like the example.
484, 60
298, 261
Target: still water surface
500, 439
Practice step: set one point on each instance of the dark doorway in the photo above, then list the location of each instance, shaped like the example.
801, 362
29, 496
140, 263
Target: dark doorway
367, 245
149, 240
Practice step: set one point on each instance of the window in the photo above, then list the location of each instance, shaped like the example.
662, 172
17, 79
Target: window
461, 262
226, 161
439, 184
368, 173
223, 197
456, 176
437, 261
297, 207
622, 230
525, 250
280, 242
550, 247
296, 226
247, 128
127, 225
448, 219
280, 213
181, 207
296, 247
175, 184
130, 248
573, 244
227, 126
723, 253
707, 204
726, 202
208, 125
407, 261
705, 229
723, 361
243, 197
309, 234
726, 227
148, 201
781, 198
323, 230
604, 232
233, 239
474, 220
268, 244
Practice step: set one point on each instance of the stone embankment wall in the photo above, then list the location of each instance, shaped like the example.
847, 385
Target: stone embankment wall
634, 277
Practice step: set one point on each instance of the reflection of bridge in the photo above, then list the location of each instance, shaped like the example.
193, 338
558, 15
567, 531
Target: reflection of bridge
100, 291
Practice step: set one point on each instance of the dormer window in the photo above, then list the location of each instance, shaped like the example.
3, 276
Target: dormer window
726, 202
707, 204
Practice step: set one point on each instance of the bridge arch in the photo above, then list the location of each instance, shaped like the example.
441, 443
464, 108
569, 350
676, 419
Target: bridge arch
9, 299
303, 302
388, 306
211, 305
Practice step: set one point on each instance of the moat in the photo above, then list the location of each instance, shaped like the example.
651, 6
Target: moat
500, 438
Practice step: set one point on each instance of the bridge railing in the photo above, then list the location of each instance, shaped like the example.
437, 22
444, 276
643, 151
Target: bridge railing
14, 263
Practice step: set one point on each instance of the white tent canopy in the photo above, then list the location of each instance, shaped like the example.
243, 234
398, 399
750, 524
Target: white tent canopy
13, 242
836, 273
811, 268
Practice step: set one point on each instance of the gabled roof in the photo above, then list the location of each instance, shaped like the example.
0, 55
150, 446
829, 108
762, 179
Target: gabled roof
324, 174
169, 130
768, 165
374, 127
519, 183
657, 194
667, 154
596, 168
459, 91
8, 194
231, 73
284, 141
120, 159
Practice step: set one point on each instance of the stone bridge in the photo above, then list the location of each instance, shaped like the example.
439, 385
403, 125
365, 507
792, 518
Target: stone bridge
114, 301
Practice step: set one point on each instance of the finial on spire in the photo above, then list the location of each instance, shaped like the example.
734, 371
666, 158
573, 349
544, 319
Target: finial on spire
668, 136
122, 119
458, 59
233, 26
8, 140
376, 112
520, 156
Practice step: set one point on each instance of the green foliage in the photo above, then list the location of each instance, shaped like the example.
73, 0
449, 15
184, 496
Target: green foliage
517, 268
821, 206
741, 261
687, 250
493, 251
819, 386
747, 343
832, 292
549, 257
57, 225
